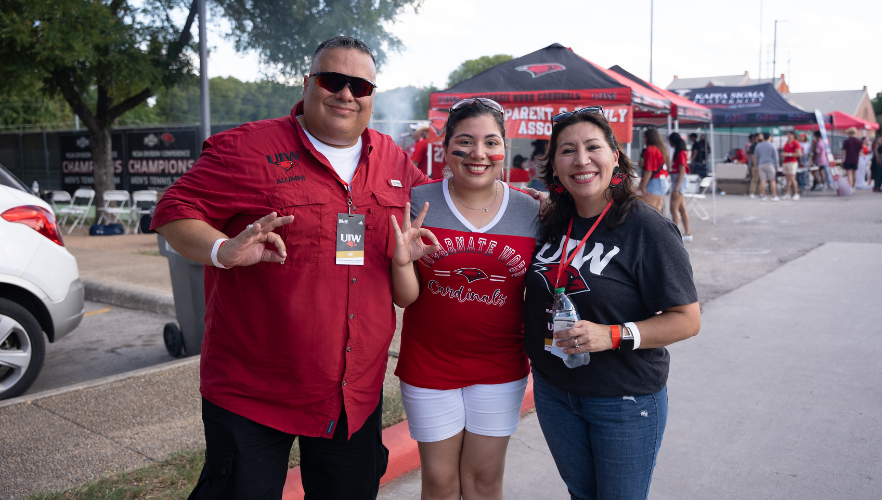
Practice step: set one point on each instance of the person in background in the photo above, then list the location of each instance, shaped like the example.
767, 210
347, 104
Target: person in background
851, 151
656, 182
699, 155
766, 157
877, 162
417, 151
819, 159
679, 171
604, 421
804, 162
539, 148
792, 153
863, 165
519, 176
462, 368
754, 189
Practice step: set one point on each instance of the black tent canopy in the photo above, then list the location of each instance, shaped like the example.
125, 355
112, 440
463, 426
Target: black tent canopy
750, 106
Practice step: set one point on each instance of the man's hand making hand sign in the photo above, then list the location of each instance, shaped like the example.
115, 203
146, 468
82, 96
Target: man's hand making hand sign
409, 248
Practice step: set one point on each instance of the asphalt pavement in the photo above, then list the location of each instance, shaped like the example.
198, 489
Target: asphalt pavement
110, 340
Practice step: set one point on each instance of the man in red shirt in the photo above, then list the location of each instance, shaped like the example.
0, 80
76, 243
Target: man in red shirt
792, 153
299, 312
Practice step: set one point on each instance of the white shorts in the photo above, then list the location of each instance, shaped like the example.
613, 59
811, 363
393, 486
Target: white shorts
488, 410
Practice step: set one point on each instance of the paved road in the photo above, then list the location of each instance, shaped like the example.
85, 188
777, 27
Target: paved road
777, 398
110, 340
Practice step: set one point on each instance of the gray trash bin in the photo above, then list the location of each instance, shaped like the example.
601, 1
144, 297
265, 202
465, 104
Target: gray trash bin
189, 293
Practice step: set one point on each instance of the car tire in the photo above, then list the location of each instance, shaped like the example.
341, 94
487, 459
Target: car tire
22, 349
174, 340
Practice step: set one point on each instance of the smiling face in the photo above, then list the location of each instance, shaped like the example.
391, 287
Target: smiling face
475, 152
338, 119
584, 162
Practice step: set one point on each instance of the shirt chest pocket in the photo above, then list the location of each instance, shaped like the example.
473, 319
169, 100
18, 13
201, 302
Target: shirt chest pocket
310, 237
381, 234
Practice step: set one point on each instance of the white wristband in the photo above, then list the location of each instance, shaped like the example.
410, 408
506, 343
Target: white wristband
635, 332
214, 249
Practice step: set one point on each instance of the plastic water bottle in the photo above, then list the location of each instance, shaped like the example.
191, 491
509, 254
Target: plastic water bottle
564, 315
35, 187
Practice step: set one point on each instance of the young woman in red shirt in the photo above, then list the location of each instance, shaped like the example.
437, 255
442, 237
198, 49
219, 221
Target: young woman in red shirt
790, 163
655, 183
459, 271
679, 171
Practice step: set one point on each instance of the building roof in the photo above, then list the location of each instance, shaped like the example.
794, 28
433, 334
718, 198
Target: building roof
758, 81
705, 81
847, 101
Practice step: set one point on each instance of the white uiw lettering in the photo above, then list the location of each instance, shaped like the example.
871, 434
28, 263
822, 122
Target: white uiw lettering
596, 260
350, 237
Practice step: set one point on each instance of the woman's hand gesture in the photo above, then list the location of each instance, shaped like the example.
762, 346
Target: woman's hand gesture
248, 247
409, 246
584, 336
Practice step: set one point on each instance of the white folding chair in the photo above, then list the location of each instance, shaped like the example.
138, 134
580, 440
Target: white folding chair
699, 193
80, 204
116, 203
59, 197
142, 203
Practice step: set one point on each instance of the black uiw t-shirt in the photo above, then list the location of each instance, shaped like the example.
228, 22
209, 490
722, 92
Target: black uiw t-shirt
622, 275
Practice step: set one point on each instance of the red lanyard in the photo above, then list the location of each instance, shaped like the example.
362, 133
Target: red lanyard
563, 254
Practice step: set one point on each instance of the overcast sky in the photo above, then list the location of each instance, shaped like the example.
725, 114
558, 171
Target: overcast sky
824, 45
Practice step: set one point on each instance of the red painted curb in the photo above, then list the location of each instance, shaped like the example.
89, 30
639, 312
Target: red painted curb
404, 455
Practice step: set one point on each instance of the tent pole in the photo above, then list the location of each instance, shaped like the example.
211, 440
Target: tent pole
668, 131
677, 125
713, 175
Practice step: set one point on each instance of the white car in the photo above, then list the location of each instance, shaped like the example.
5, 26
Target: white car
40, 287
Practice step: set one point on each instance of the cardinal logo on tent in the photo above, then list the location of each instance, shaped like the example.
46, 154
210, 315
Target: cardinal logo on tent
538, 70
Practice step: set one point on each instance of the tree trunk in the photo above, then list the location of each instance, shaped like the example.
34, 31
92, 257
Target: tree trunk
102, 160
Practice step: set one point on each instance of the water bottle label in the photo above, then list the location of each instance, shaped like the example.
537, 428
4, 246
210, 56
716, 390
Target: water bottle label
559, 325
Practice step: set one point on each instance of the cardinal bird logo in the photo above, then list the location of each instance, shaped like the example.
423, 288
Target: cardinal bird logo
351, 244
287, 165
167, 138
574, 282
472, 274
538, 70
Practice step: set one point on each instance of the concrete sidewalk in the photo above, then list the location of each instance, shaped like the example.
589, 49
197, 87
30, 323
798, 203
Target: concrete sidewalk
778, 396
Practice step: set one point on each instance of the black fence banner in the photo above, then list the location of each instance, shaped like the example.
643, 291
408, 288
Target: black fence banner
77, 164
157, 158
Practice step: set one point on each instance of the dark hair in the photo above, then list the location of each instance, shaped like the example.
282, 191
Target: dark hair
562, 207
343, 42
817, 134
518, 161
693, 136
653, 138
678, 143
473, 111
767, 136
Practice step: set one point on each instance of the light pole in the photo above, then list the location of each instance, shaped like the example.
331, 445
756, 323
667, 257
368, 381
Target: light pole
203, 73
759, 74
775, 50
651, 8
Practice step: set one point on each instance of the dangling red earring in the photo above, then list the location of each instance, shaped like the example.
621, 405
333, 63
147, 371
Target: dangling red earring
556, 188
618, 179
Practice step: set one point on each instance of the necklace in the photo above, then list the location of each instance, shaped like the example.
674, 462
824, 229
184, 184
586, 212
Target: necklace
487, 208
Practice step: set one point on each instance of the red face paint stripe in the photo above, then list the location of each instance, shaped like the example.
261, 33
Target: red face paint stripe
496, 157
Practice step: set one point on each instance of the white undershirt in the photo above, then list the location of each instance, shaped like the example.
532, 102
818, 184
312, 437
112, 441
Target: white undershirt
343, 160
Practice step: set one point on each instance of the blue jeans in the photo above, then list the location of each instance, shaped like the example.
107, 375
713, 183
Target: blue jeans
604, 448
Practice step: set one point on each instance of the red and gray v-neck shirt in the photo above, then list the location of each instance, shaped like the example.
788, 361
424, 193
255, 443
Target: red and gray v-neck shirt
287, 345
466, 326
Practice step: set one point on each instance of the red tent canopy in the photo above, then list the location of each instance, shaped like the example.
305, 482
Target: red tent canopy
682, 109
842, 121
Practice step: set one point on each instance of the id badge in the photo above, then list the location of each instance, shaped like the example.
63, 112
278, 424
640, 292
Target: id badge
350, 239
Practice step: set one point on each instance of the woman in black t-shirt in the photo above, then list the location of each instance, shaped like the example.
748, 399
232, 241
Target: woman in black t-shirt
604, 421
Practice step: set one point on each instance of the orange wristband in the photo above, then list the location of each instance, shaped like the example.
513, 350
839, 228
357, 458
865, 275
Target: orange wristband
616, 335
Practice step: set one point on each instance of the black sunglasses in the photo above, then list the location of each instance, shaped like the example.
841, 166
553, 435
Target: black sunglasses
594, 110
334, 82
471, 101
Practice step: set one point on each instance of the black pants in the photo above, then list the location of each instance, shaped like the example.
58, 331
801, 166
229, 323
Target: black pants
876, 170
245, 460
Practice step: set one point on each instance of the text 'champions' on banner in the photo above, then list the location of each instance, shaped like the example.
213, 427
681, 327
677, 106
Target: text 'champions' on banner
77, 165
159, 158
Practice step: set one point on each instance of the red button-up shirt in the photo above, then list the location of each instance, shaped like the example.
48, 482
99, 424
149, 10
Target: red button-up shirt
287, 345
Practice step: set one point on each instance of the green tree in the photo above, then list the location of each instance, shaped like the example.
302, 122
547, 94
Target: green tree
30, 108
474, 67
877, 106
123, 52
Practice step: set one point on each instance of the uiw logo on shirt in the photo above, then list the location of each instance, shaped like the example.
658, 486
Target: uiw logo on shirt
574, 280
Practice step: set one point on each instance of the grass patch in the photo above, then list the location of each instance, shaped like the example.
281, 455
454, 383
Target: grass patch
154, 253
174, 477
